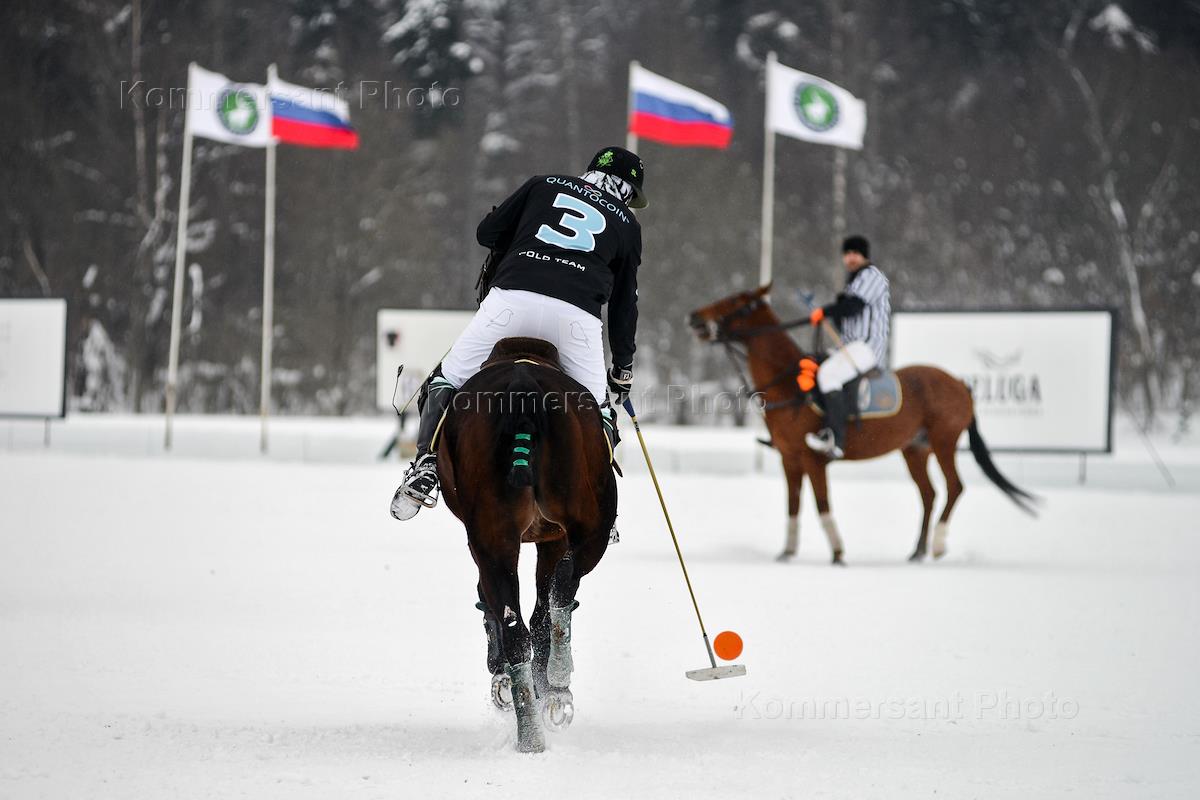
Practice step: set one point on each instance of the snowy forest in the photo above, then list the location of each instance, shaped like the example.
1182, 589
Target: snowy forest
1018, 153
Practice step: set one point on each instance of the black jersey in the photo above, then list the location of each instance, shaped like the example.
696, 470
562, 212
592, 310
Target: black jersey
563, 237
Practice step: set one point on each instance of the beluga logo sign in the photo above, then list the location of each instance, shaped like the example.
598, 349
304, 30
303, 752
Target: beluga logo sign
1003, 385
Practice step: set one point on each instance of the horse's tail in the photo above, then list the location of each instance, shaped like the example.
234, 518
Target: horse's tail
983, 458
524, 422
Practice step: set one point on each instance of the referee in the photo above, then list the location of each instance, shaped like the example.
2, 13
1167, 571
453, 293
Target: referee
862, 314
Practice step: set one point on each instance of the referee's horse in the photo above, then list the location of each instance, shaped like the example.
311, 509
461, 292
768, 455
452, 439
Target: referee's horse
523, 458
936, 409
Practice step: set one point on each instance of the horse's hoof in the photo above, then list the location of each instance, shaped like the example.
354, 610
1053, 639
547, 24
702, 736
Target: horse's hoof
558, 709
939, 553
502, 691
837, 559
785, 556
916, 558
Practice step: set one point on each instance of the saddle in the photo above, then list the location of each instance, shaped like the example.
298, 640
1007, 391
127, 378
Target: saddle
524, 348
875, 395
529, 350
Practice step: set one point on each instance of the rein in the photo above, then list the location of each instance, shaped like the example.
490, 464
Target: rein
750, 333
725, 336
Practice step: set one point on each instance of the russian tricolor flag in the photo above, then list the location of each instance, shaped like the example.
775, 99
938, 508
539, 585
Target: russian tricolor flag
662, 110
309, 117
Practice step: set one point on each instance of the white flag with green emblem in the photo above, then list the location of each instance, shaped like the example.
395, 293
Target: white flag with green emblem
813, 109
218, 108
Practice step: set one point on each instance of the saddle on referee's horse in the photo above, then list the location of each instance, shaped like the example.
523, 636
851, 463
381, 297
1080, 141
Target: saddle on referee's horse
874, 395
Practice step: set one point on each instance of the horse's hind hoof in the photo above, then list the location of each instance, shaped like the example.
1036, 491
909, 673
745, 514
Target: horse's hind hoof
916, 558
502, 691
785, 556
837, 560
558, 709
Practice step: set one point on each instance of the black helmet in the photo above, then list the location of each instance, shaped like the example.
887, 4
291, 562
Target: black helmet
625, 165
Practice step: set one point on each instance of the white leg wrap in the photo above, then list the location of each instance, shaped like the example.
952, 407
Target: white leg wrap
792, 543
831, 531
940, 532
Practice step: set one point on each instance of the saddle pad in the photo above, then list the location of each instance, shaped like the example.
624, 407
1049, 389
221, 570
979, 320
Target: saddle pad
879, 395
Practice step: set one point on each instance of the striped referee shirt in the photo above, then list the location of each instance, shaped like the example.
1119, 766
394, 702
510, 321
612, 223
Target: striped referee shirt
872, 324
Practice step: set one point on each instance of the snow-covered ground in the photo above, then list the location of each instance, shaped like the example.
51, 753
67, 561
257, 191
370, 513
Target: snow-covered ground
176, 627
693, 449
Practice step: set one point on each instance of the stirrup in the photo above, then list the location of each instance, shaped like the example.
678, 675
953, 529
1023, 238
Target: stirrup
821, 441
824, 442
427, 500
421, 471
423, 467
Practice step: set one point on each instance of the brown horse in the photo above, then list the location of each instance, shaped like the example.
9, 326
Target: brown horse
937, 408
522, 458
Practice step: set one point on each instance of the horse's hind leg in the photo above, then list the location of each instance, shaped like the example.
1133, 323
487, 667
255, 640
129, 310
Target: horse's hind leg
554, 664
585, 554
944, 450
917, 459
501, 685
550, 554
496, 555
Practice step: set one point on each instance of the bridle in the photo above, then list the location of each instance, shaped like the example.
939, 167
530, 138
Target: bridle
719, 333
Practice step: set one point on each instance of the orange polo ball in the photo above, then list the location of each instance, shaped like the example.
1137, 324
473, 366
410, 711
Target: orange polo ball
727, 645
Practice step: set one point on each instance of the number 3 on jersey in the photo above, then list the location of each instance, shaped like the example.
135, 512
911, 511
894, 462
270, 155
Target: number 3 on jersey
581, 219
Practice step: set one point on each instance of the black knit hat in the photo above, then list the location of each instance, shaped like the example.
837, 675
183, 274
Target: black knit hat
625, 165
857, 244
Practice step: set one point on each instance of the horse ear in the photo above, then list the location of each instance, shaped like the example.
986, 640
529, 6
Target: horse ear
762, 291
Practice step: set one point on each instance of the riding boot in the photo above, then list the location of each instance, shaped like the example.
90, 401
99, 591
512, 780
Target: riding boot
419, 487
835, 420
832, 439
609, 416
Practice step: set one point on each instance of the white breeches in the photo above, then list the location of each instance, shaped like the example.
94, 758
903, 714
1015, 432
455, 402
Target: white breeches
854, 359
510, 312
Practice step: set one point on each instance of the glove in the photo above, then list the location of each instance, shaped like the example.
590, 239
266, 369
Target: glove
807, 378
620, 379
816, 316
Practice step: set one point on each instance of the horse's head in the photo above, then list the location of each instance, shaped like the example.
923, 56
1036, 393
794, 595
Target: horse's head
716, 321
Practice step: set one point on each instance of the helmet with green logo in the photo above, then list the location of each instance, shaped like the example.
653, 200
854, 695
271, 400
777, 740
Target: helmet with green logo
625, 165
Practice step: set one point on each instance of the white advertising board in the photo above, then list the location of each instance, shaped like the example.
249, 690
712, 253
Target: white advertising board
1042, 381
416, 338
33, 357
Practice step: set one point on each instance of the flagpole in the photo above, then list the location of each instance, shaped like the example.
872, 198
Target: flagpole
268, 307
839, 153
631, 139
839, 203
768, 193
185, 190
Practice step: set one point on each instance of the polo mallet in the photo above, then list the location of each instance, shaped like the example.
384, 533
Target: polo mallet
710, 673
